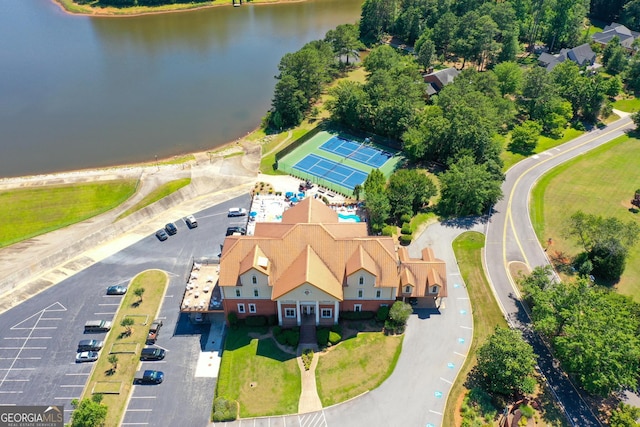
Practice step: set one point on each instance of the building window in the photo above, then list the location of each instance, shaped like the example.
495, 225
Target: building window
357, 307
240, 308
255, 293
360, 293
252, 308
289, 312
378, 293
326, 313
254, 280
407, 289
361, 281
434, 289
237, 292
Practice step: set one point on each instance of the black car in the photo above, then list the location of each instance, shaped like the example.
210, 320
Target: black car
171, 229
232, 230
150, 377
152, 353
162, 235
116, 290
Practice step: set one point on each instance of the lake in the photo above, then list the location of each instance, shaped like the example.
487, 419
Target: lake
80, 92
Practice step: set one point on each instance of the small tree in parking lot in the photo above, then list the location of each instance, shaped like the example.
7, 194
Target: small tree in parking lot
139, 292
113, 359
127, 323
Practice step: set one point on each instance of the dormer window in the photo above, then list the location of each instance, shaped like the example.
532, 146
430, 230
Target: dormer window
434, 289
407, 289
361, 280
254, 280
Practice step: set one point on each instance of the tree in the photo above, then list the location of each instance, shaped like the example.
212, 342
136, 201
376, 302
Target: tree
378, 208
345, 42
524, 137
375, 182
509, 76
357, 191
426, 53
113, 359
443, 34
408, 191
349, 103
398, 316
377, 18
468, 188
636, 119
382, 57
565, 23
624, 416
139, 292
288, 105
506, 363
88, 412
127, 323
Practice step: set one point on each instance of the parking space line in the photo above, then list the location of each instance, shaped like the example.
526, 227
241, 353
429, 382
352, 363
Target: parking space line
23, 348
110, 303
15, 369
139, 410
67, 398
27, 338
446, 381
72, 385
466, 327
134, 424
143, 397
10, 392
437, 413
81, 373
105, 314
33, 329
16, 380
21, 358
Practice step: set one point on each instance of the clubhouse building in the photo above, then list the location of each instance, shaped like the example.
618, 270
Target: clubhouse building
311, 267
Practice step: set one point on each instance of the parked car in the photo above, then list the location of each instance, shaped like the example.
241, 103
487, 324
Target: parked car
150, 377
87, 356
191, 221
97, 326
117, 290
237, 212
90, 345
171, 228
152, 353
233, 230
154, 331
162, 235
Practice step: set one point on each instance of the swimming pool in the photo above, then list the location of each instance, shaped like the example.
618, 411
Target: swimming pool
348, 218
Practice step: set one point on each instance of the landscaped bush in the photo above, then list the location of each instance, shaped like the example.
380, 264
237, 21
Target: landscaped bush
336, 328
277, 330
256, 321
382, 314
527, 411
272, 320
281, 338
405, 218
224, 409
406, 228
322, 335
307, 358
232, 317
405, 239
357, 315
292, 337
334, 337
388, 230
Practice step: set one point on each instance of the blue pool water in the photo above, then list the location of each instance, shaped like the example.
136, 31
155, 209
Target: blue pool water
351, 218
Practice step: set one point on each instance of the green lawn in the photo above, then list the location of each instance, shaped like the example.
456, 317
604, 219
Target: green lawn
356, 365
601, 182
544, 143
157, 194
30, 212
154, 283
486, 312
630, 105
255, 372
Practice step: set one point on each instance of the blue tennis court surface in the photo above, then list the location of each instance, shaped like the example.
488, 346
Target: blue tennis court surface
331, 171
359, 152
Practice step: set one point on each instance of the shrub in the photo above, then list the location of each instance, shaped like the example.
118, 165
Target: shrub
325, 200
322, 335
527, 411
281, 338
255, 321
272, 320
277, 330
405, 218
224, 409
292, 337
232, 317
388, 230
406, 228
337, 328
405, 239
307, 358
375, 228
382, 314
296, 329
357, 315
334, 337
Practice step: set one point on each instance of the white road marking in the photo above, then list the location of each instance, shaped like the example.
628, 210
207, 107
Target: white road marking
23, 348
105, 314
27, 338
446, 381
459, 354
72, 385
437, 413
466, 327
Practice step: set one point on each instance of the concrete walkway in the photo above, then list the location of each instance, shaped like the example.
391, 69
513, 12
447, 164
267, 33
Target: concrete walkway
309, 399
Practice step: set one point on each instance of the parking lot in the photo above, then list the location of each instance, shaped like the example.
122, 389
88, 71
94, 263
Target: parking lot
40, 335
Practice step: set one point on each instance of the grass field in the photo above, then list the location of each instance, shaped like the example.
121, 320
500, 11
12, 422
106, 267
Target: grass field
544, 143
356, 365
154, 282
157, 194
629, 105
486, 312
601, 182
30, 212
261, 377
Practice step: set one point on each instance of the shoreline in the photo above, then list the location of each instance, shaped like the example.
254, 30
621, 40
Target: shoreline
111, 11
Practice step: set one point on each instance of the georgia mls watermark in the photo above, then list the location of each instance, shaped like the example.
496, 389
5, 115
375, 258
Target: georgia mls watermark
32, 416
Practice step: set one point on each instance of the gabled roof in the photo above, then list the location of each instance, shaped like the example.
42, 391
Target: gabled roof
625, 35
255, 259
582, 55
307, 268
310, 210
422, 273
361, 260
441, 78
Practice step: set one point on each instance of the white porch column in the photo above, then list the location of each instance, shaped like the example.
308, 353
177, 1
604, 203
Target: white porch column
317, 313
279, 313
298, 313
336, 308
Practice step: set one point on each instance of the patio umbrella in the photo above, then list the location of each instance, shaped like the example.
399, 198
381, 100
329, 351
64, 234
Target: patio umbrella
300, 195
294, 200
288, 194
252, 213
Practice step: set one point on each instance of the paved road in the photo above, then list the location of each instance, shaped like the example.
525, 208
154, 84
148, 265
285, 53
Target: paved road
510, 237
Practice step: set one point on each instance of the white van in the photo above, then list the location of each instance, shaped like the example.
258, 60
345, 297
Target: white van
237, 212
191, 221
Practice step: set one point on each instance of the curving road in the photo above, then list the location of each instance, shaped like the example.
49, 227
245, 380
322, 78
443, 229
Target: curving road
511, 238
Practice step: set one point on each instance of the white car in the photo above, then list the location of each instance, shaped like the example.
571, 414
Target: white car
87, 356
191, 221
237, 212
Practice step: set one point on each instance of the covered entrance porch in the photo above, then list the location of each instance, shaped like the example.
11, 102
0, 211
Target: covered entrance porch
298, 313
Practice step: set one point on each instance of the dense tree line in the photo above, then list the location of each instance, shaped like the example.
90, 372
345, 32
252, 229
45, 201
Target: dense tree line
626, 12
594, 331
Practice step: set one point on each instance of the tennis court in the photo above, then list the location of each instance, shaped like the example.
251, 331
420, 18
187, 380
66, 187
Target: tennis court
331, 171
355, 151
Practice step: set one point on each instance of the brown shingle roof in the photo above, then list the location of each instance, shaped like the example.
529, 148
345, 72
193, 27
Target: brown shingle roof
361, 260
310, 210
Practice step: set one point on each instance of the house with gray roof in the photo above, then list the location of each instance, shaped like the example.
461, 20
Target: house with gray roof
582, 55
439, 79
625, 35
